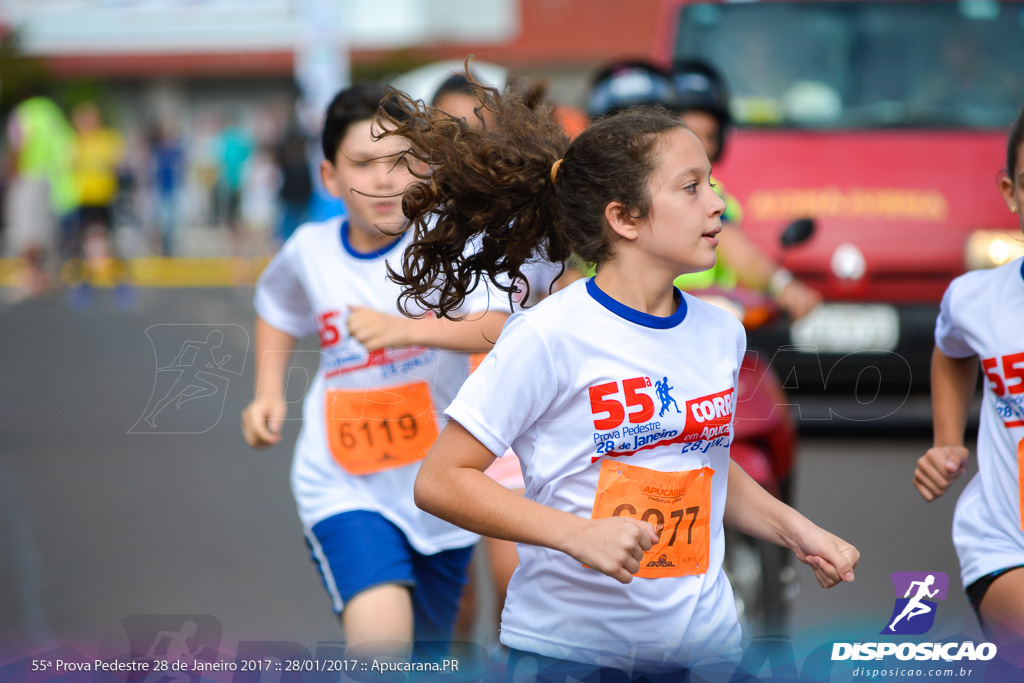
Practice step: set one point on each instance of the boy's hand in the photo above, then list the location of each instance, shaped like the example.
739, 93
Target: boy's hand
831, 558
938, 468
376, 330
614, 546
262, 421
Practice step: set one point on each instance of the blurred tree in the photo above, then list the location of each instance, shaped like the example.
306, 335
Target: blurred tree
20, 75
396, 62
75, 92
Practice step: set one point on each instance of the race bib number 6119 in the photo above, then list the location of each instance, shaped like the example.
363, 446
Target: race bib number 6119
372, 430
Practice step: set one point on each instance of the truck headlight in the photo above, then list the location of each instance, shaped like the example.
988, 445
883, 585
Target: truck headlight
991, 248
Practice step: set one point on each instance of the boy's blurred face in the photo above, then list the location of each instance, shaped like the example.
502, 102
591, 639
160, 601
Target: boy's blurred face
364, 173
463, 106
705, 127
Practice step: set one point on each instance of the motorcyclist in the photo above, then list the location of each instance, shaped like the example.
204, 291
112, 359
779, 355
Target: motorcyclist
702, 102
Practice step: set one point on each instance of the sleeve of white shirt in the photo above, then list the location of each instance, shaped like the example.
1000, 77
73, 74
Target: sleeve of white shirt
741, 348
948, 336
513, 387
281, 299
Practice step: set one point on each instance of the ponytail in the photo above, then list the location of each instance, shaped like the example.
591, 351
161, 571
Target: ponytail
485, 204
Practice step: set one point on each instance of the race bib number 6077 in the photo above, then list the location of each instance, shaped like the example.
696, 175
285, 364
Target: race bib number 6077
677, 504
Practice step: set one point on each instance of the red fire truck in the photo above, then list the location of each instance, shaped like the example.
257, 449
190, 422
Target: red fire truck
885, 122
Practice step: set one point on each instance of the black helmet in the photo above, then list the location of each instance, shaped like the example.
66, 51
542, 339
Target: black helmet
700, 87
628, 84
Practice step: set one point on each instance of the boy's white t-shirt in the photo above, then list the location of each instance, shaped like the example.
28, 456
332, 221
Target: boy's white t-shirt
534, 392
308, 287
982, 313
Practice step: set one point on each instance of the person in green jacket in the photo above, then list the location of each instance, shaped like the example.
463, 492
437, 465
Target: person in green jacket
41, 192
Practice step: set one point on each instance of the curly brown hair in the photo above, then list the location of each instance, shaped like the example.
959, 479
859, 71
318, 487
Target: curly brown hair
491, 189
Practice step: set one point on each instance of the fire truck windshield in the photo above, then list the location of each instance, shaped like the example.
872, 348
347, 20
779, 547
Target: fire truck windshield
856, 65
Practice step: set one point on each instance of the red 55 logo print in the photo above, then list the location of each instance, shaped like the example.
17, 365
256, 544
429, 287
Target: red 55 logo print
616, 413
624, 415
1005, 376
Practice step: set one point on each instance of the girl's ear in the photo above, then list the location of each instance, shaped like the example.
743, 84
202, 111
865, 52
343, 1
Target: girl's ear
1006, 189
620, 221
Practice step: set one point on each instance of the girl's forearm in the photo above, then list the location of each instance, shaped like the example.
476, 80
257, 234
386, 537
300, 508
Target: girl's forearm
753, 511
451, 485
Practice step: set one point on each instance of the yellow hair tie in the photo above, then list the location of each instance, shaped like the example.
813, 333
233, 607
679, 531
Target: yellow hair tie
554, 169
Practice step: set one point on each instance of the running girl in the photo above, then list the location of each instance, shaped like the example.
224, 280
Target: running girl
982, 317
613, 492
392, 571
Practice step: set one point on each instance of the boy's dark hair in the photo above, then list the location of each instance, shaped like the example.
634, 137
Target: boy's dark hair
1013, 146
358, 102
456, 83
494, 189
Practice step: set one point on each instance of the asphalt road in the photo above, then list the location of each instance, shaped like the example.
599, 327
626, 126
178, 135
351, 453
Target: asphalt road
130, 505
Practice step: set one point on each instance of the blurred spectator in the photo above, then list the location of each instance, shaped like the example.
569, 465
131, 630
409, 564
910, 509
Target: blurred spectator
234, 145
261, 185
200, 205
296, 184
41, 186
167, 160
96, 158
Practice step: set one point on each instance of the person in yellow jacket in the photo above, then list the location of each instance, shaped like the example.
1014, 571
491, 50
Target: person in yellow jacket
96, 156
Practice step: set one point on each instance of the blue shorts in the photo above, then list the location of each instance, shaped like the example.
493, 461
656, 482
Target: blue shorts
359, 550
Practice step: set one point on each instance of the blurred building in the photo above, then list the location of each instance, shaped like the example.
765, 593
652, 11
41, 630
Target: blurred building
167, 55
185, 80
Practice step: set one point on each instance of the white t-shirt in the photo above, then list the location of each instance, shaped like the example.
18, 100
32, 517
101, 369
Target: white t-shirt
982, 314
308, 287
535, 393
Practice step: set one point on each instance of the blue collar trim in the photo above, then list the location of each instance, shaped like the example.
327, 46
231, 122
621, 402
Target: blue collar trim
635, 316
366, 256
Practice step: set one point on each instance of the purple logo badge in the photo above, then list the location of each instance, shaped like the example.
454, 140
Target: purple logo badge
916, 595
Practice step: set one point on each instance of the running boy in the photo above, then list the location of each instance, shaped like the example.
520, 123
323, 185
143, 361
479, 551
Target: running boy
982, 317
392, 571
612, 491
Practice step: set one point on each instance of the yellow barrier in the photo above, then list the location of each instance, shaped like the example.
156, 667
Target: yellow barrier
155, 272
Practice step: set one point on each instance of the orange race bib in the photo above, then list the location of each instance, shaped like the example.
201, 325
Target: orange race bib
678, 504
379, 429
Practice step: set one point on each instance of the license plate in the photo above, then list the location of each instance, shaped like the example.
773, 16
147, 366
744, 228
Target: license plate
845, 328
